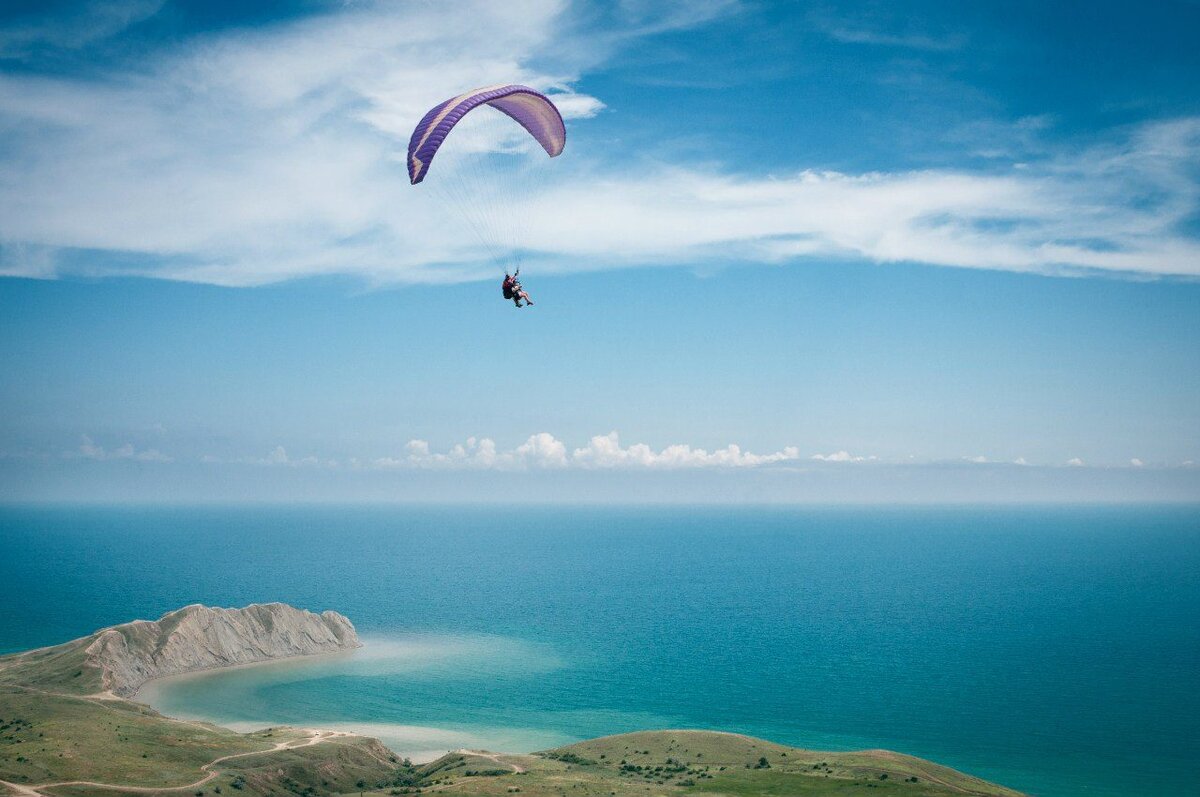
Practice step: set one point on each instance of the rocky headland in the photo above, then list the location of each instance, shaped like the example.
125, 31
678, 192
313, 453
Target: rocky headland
200, 637
67, 729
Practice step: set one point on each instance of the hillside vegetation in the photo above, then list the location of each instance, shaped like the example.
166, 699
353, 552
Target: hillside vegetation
63, 735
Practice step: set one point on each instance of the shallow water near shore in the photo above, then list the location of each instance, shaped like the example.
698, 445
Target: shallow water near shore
1054, 650
294, 691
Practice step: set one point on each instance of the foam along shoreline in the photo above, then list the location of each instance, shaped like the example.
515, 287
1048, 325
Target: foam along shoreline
146, 692
377, 655
51, 693
419, 743
373, 656
424, 743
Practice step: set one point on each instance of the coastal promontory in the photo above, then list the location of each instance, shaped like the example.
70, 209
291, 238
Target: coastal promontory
68, 729
121, 658
200, 638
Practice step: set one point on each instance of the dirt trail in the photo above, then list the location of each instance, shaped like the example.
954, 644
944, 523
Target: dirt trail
25, 791
316, 737
492, 757
107, 700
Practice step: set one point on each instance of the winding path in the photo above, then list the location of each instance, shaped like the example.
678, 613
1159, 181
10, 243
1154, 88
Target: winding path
25, 791
315, 737
492, 757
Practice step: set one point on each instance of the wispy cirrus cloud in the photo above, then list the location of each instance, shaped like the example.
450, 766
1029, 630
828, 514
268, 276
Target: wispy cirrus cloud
253, 157
918, 41
885, 31
93, 21
1117, 208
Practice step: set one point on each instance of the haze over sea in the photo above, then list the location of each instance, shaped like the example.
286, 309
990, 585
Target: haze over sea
1055, 650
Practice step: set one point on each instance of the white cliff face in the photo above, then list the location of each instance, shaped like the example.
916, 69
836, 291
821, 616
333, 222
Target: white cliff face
199, 638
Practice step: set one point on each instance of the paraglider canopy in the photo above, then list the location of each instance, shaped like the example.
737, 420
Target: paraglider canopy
532, 110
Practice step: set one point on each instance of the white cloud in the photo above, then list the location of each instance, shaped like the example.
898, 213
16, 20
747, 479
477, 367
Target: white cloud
93, 21
252, 157
915, 41
88, 449
543, 451
1069, 214
257, 156
605, 451
279, 456
841, 456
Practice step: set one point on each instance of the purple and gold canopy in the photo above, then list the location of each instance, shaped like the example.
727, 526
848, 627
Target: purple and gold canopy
532, 110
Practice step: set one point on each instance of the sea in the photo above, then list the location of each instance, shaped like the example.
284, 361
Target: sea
1053, 649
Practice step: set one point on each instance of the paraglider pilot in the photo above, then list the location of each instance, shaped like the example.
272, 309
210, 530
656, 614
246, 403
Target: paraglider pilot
513, 290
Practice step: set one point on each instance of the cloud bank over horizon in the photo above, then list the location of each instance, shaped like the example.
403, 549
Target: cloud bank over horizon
544, 451
253, 156
602, 452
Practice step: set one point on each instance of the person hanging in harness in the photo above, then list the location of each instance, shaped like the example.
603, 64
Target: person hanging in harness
513, 290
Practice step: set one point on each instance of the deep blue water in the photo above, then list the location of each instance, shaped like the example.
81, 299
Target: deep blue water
1056, 650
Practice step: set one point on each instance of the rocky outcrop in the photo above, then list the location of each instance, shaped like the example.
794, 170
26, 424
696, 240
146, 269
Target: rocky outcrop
200, 638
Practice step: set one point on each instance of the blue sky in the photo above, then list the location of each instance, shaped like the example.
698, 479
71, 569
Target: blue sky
830, 251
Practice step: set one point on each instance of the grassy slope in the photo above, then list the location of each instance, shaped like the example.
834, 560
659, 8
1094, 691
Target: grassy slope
732, 764
52, 729
696, 763
74, 738
335, 767
57, 669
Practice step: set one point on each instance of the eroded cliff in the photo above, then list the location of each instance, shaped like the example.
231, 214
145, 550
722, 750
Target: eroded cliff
201, 637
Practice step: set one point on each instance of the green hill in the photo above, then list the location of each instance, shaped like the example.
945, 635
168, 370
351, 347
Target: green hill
61, 736
63, 668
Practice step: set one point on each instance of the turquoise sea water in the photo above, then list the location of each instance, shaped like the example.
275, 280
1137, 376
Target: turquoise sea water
1056, 650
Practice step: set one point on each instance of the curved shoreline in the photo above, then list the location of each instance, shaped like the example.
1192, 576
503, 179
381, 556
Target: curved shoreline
220, 668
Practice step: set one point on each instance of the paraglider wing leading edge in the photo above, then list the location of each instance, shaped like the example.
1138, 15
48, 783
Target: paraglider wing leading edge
530, 109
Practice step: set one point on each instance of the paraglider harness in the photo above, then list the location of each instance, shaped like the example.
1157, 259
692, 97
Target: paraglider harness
511, 286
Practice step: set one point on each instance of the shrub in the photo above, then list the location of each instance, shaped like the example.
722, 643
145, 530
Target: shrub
571, 758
